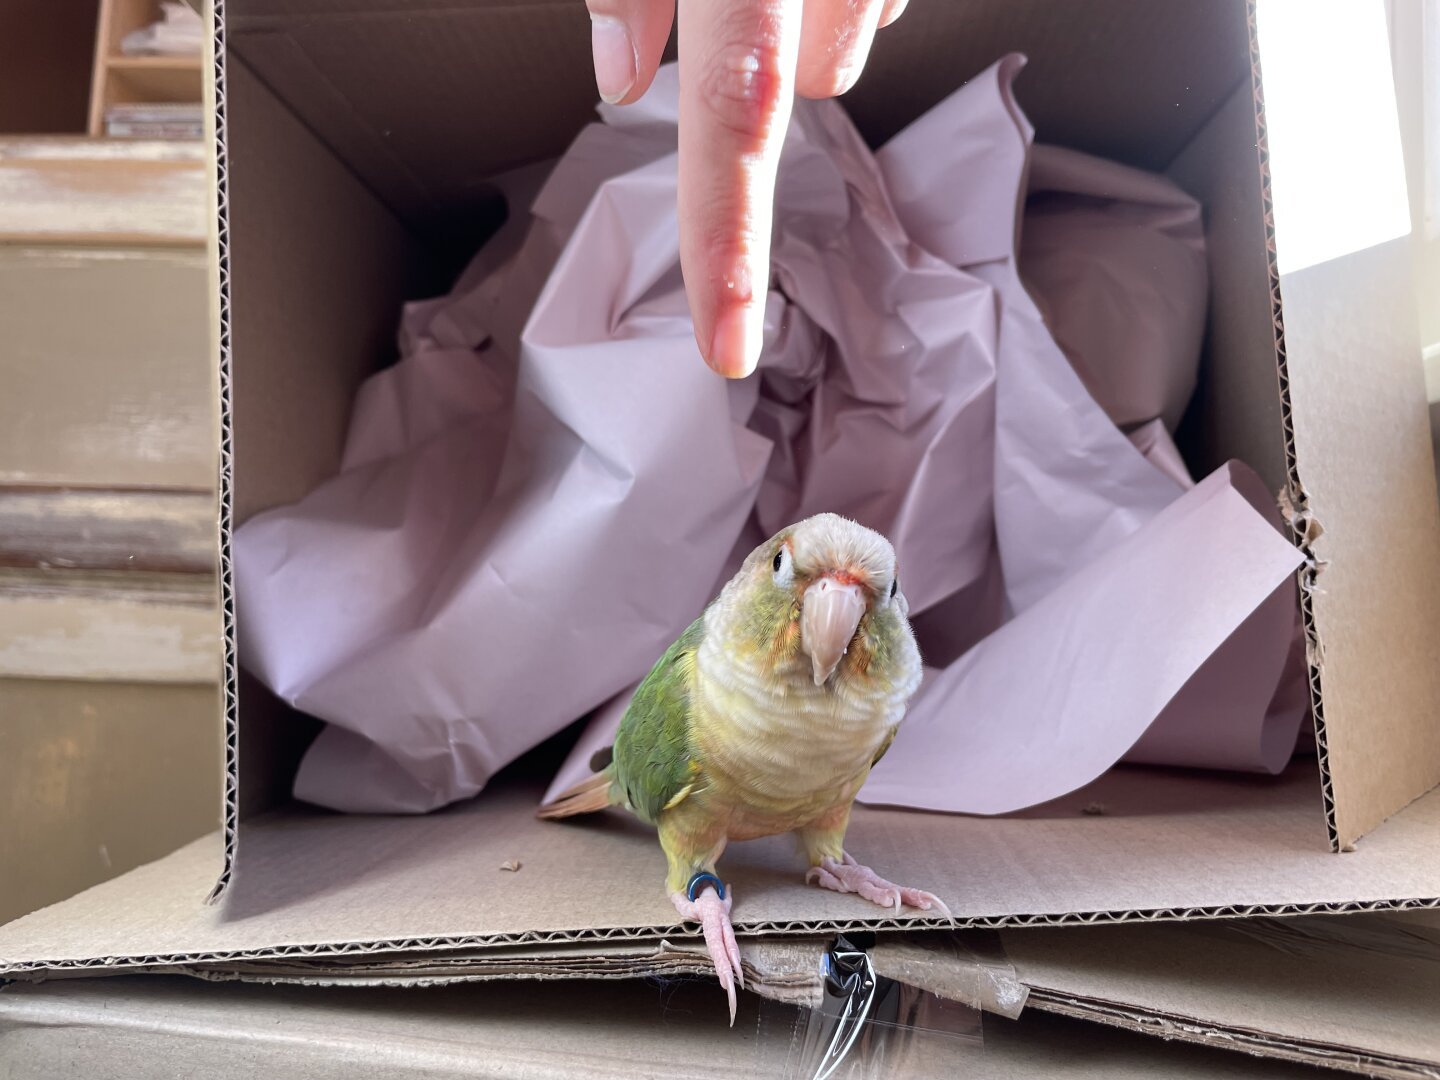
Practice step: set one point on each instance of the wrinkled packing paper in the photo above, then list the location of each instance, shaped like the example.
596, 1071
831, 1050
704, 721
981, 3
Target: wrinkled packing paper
549, 486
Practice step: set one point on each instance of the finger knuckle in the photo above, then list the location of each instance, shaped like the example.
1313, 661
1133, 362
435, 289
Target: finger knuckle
744, 80
729, 243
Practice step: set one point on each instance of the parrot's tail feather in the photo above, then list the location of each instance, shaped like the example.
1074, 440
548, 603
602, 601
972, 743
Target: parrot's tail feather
587, 797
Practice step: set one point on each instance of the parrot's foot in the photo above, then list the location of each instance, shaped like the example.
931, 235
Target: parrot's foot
850, 877
713, 915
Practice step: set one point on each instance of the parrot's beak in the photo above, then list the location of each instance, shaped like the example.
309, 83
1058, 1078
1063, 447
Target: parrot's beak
829, 614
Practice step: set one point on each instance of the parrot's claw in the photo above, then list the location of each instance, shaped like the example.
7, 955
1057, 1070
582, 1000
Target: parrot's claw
713, 915
848, 876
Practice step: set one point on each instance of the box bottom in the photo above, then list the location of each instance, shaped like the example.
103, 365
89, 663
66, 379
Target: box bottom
1138, 844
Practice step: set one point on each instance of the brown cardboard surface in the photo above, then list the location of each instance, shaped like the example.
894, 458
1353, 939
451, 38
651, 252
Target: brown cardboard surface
469, 72
1366, 468
1180, 61
1357, 991
969, 967
310, 290
1170, 845
316, 280
785, 969
1236, 409
133, 1028
779, 969
1348, 992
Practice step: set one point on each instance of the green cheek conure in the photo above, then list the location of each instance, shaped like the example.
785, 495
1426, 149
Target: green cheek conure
766, 717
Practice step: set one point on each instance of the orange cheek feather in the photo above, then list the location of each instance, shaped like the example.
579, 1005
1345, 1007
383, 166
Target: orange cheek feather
860, 656
787, 641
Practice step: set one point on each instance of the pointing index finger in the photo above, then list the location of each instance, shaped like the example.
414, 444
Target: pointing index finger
737, 80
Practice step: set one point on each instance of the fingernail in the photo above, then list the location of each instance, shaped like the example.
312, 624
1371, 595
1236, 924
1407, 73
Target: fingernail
614, 57
735, 344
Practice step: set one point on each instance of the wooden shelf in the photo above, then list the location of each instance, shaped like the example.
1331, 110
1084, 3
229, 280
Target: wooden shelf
153, 63
140, 80
150, 85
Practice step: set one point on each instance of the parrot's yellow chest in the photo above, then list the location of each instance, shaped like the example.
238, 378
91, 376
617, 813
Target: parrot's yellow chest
777, 750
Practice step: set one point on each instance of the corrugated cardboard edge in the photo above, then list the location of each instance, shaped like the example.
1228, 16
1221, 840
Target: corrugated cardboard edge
971, 971
1293, 501
230, 669
784, 970
116, 964
1256, 1043
234, 1031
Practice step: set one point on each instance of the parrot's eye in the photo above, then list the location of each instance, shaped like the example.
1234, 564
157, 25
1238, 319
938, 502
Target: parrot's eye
783, 567
894, 587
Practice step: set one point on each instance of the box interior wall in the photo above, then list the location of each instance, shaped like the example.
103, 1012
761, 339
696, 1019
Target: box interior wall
330, 234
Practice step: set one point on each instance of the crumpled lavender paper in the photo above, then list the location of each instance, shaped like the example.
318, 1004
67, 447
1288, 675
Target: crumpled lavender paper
549, 486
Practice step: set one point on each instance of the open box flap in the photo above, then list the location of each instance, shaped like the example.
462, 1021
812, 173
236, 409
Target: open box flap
1365, 483
120, 1028
1356, 460
1362, 494
312, 883
1357, 992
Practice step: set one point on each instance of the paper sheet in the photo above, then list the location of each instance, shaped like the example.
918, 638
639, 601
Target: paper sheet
549, 486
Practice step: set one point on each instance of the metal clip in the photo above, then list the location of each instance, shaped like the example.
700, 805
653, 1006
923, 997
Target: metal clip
850, 993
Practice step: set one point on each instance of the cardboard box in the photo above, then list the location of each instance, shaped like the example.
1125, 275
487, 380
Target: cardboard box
1352, 992
353, 135
123, 1028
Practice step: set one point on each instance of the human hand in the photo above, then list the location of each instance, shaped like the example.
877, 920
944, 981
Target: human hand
741, 62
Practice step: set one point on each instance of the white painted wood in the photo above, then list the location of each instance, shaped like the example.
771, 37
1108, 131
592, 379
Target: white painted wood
106, 376
108, 638
103, 191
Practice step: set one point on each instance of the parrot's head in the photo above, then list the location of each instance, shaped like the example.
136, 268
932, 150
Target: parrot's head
826, 591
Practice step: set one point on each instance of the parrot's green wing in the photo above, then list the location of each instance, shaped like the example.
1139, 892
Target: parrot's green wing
889, 738
654, 764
